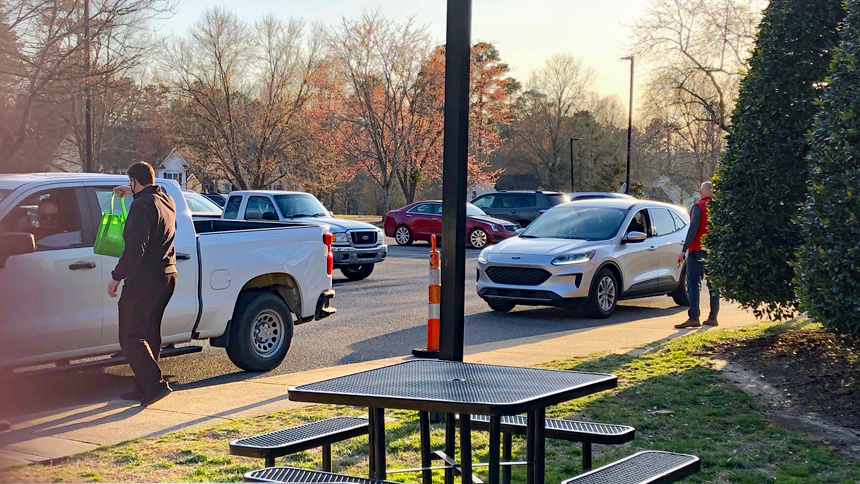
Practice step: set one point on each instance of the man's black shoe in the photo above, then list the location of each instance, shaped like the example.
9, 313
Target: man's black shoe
132, 395
5, 425
160, 391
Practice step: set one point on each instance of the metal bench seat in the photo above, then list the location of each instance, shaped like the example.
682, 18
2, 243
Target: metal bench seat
647, 467
321, 433
294, 475
571, 430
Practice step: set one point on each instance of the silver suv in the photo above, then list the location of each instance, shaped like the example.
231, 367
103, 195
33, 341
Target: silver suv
595, 252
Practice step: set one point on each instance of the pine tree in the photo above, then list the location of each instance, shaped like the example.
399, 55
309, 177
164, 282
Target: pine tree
829, 261
762, 177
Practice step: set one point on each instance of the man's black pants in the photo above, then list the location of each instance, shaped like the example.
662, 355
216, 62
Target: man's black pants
141, 307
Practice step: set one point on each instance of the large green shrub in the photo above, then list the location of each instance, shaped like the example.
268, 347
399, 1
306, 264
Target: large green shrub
828, 271
761, 180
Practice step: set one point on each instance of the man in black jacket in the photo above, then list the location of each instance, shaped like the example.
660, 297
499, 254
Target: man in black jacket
148, 267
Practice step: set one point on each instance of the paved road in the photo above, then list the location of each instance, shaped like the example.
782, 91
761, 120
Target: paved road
382, 316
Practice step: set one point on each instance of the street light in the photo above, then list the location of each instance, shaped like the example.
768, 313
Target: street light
571, 161
629, 123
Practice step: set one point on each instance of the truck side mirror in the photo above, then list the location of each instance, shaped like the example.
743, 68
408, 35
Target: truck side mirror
15, 243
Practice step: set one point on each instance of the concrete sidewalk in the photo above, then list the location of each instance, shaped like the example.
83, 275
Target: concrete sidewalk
57, 434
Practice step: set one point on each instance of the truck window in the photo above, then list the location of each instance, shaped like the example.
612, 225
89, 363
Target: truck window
260, 208
52, 216
231, 209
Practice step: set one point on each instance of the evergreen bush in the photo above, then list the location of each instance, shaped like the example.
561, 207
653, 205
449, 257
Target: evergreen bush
828, 268
762, 178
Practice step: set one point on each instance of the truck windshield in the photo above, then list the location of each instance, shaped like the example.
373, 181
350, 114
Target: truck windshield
4, 194
300, 205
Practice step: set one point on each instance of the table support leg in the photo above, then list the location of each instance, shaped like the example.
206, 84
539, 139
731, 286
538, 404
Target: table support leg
586, 456
426, 456
530, 448
466, 448
507, 456
450, 444
536, 425
377, 442
495, 441
326, 457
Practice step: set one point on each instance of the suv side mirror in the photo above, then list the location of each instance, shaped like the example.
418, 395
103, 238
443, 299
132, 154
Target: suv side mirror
634, 236
15, 243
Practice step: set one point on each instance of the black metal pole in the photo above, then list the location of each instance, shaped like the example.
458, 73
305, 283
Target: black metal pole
454, 179
629, 124
88, 127
571, 162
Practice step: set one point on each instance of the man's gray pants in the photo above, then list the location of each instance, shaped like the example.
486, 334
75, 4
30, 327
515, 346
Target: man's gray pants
696, 260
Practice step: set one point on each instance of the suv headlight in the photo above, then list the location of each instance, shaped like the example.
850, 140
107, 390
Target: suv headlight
566, 260
482, 257
340, 238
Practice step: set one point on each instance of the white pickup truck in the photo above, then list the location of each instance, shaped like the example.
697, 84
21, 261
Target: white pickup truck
242, 285
356, 246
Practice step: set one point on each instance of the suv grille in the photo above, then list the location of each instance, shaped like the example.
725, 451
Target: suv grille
363, 238
517, 276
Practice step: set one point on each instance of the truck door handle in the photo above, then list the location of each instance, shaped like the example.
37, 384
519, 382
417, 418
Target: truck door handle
181, 256
82, 265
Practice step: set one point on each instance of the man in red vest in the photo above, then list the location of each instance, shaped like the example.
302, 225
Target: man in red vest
696, 260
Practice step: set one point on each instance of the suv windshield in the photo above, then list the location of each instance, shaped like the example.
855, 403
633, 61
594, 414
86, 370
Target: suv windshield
4, 194
582, 223
300, 205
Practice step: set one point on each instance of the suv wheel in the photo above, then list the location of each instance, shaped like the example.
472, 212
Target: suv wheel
679, 295
500, 306
603, 297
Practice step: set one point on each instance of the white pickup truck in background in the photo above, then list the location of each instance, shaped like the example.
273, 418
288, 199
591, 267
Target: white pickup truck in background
242, 285
356, 246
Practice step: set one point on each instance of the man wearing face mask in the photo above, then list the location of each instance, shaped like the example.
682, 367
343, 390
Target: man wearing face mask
148, 267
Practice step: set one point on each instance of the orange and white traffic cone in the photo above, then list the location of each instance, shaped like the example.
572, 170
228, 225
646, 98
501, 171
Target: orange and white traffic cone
433, 309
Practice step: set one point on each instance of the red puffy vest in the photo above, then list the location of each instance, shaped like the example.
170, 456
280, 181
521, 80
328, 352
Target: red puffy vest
703, 224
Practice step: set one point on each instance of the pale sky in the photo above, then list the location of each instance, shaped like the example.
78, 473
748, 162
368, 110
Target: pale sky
526, 32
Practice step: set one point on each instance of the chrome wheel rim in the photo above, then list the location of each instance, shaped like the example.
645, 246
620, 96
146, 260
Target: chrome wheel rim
606, 293
267, 333
402, 235
478, 239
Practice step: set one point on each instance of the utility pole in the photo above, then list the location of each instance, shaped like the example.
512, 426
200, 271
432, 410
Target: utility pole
88, 168
571, 162
629, 122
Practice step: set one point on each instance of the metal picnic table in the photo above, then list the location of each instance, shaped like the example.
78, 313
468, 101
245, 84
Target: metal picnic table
454, 387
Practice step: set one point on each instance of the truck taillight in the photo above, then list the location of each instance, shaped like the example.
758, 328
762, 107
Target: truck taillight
327, 239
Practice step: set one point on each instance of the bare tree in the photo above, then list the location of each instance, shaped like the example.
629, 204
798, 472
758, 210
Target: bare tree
554, 94
380, 62
48, 56
240, 94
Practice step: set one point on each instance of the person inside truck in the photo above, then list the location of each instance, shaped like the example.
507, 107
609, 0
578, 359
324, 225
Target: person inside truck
47, 216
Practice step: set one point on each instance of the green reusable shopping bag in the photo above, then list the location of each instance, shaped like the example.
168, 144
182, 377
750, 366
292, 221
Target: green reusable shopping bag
109, 239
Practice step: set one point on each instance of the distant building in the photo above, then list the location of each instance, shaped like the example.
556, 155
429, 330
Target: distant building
670, 190
174, 167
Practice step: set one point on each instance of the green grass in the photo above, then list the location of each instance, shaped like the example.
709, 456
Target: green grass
672, 395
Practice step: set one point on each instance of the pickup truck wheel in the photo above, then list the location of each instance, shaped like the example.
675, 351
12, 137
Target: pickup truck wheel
261, 332
357, 272
403, 235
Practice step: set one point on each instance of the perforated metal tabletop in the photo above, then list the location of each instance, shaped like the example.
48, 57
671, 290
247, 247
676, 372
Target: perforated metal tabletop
455, 387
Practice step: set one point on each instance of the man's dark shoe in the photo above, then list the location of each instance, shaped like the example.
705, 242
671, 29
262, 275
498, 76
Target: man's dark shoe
160, 391
132, 395
690, 323
5, 425
711, 322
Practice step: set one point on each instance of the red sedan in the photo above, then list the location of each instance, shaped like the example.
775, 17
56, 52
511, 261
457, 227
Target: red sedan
420, 220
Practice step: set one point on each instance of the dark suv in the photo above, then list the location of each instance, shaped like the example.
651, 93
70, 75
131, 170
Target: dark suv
519, 206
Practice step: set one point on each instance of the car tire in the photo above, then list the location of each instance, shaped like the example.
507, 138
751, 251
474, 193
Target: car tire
357, 272
679, 295
500, 306
603, 297
478, 238
403, 235
261, 332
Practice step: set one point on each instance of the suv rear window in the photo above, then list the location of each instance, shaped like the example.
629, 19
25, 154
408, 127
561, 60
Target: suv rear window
557, 198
